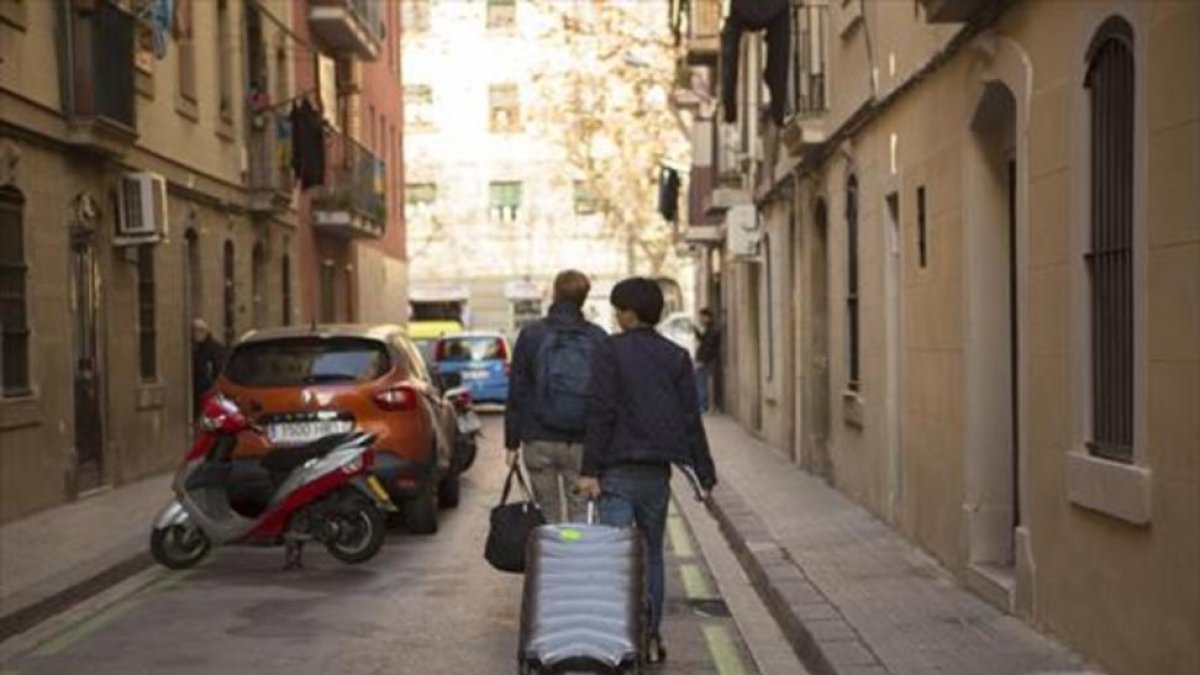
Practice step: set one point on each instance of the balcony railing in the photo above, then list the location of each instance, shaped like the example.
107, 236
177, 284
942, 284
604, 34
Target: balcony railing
353, 201
99, 99
270, 176
955, 11
808, 91
348, 27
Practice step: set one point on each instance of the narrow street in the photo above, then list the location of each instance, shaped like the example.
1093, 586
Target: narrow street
424, 605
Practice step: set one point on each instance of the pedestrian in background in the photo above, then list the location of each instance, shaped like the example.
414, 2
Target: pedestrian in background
644, 418
708, 357
545, 420
208, 357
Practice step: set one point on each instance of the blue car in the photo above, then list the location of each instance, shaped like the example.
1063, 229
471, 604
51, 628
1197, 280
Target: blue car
482, 360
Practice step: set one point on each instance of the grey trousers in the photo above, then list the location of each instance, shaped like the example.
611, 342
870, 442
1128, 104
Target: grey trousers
553, 467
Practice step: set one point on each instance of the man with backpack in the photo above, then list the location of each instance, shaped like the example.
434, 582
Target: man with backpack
549, 394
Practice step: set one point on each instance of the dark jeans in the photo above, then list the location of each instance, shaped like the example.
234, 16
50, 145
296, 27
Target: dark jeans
637, 495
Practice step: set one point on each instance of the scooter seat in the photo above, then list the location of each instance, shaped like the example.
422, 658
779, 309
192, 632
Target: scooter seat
282, 461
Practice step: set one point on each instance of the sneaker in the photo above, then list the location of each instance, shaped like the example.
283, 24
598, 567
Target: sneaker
656, 649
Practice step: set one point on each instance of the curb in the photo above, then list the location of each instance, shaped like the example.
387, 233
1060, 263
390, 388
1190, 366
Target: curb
39, 604
825, 642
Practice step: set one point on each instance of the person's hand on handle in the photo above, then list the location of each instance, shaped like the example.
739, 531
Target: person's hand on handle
588, 487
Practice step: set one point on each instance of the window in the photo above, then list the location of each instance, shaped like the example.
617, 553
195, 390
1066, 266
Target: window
505, 200
147, 336
415, 17
585, 198
292, 362
286, 272
501, 13
224, 61
418, 107
1109, 258
14, 329
922, 260
230, 297
852, 325
504, 109
419, 198
187, 50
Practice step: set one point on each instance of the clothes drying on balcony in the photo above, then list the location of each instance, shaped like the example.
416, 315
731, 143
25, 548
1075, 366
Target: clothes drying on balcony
754, 16
308, 144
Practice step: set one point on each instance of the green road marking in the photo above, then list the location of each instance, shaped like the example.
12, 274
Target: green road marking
681, 541
694, 583
69, 636
723, 650
64, 640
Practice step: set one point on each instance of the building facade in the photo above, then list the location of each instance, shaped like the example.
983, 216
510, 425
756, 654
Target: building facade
495, 205
352, 235
960, 273
135, 195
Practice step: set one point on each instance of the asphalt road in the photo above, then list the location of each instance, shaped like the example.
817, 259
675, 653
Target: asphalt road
427, 605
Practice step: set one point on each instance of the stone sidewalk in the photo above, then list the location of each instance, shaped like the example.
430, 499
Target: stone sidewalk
852, 595
61, 556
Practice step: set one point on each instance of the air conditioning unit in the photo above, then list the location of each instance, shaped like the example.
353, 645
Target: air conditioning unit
742, 231
142, 209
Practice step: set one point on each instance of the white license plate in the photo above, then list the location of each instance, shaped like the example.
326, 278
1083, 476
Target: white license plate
294, 433
475, 375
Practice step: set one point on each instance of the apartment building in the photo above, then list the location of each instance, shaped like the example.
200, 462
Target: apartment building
352, 237
959, 269
136, 193
495, 205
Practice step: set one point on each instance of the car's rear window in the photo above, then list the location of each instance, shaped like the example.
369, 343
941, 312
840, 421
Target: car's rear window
470, 349
300, 361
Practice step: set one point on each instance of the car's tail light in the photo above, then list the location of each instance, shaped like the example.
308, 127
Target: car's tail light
502, 351
397, 399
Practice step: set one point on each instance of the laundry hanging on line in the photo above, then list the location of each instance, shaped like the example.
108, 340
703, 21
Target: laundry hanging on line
753, 16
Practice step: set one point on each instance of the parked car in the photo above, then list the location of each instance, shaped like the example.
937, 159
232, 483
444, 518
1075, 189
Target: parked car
680, 329
481, 359
301, 384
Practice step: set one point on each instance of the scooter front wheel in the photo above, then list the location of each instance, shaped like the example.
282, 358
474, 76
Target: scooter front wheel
179, 545
360, 528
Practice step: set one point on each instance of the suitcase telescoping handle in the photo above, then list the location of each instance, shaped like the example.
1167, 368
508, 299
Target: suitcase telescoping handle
591, 512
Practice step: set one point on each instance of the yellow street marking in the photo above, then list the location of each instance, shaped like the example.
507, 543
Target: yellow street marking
694, 583
681, 541
64, 640
723, 650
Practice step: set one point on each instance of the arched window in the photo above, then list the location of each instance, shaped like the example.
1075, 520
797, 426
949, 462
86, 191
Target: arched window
852, 319
1109, 258
230, 296
14, 326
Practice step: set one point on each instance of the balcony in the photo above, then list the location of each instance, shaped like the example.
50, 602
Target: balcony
348, 27
954, 11
353, 202
808, 92
270, 176
703, 32
99, 99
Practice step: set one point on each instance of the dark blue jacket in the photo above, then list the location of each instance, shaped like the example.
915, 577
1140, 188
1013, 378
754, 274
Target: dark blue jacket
644, 407
520, 417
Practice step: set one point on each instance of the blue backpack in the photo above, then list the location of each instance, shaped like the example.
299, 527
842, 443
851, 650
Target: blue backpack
564, 373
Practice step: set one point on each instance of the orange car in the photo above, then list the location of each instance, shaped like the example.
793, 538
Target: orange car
300, 384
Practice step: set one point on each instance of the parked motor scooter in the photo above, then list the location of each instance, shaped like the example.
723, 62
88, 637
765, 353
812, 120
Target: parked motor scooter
323, 491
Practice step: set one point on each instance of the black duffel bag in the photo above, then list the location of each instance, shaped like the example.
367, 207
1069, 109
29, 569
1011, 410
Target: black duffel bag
511, 525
